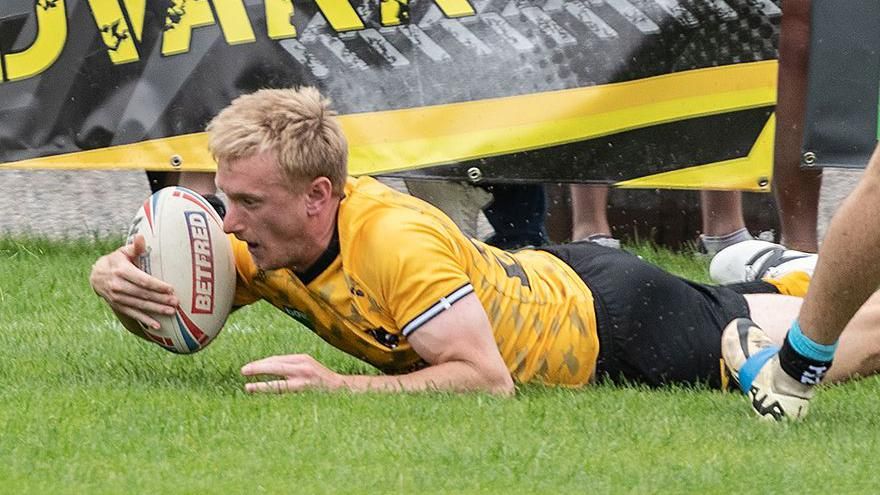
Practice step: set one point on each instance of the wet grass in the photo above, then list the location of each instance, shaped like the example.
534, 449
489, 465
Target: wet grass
86, 408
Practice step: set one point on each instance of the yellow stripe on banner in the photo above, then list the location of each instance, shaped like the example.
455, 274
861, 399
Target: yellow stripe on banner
750, 173
411, 138
190, 150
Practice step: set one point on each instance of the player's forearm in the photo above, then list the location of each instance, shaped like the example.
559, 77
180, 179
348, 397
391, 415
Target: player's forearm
453, 376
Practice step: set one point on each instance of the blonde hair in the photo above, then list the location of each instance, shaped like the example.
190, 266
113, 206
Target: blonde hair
296, 125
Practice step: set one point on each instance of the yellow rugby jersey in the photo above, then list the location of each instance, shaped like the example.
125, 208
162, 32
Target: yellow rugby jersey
399, 261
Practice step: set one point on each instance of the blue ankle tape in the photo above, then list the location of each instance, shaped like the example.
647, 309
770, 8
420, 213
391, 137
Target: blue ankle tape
807, 347
753, 365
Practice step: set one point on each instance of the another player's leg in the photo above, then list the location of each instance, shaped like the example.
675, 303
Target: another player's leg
858, 354
846, 275
774, 393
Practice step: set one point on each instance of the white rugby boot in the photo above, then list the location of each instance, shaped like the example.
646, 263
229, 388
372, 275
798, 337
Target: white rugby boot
754, 260
753, 361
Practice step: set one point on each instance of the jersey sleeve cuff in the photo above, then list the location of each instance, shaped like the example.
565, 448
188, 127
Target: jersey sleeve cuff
442, 305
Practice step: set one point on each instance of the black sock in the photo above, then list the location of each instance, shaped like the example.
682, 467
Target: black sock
804, 370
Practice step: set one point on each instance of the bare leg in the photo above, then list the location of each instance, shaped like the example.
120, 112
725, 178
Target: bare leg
723, 222
797, 190
589, 211
722, 212
859, 350
847, 272
773, 313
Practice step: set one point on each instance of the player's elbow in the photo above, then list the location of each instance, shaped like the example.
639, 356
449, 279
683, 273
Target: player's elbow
505, 388
499, 382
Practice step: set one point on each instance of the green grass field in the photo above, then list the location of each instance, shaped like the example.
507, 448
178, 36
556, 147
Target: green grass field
87, 408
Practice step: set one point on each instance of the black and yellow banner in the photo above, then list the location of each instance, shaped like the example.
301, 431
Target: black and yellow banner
638, 93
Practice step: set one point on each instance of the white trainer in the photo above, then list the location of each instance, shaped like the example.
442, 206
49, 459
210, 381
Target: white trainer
753, 361
754, 260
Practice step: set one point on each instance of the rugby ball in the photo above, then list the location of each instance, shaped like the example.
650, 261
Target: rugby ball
187, 248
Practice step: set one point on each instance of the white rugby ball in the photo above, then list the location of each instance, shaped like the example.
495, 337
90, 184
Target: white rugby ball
187, 248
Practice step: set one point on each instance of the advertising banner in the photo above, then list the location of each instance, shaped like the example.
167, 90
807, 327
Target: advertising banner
635, 93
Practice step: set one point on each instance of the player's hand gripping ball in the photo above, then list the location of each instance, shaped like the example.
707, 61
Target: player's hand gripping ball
187, 248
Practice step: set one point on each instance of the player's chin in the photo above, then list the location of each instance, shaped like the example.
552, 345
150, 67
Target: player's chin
265, 262
258, 254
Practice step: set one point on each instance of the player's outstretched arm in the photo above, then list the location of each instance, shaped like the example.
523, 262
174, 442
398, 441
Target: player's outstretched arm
132, 294
458, 344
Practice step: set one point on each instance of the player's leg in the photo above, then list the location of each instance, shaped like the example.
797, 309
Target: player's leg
758, 366
859, 351
654, 328
773, 313
858, 354
846, 275
847, 272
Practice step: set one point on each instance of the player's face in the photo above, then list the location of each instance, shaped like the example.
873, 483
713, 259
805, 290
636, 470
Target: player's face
265, 210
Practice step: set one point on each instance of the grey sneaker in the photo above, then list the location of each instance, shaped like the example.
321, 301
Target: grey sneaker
753, 362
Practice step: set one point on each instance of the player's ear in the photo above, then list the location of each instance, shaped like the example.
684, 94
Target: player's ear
320, 194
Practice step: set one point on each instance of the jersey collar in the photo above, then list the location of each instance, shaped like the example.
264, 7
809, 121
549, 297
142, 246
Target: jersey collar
324, 260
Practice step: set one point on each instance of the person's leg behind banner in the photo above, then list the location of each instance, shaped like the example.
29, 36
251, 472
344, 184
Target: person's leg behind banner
723, 221
517, 213
796, 189
589, 215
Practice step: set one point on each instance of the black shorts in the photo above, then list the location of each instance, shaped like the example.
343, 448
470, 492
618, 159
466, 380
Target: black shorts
654, 328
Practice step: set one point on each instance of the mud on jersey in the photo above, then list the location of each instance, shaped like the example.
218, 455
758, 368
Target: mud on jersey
399, 262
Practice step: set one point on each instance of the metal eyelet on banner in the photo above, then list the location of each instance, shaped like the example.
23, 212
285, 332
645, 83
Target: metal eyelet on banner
474, 174
176, 161
809, 159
